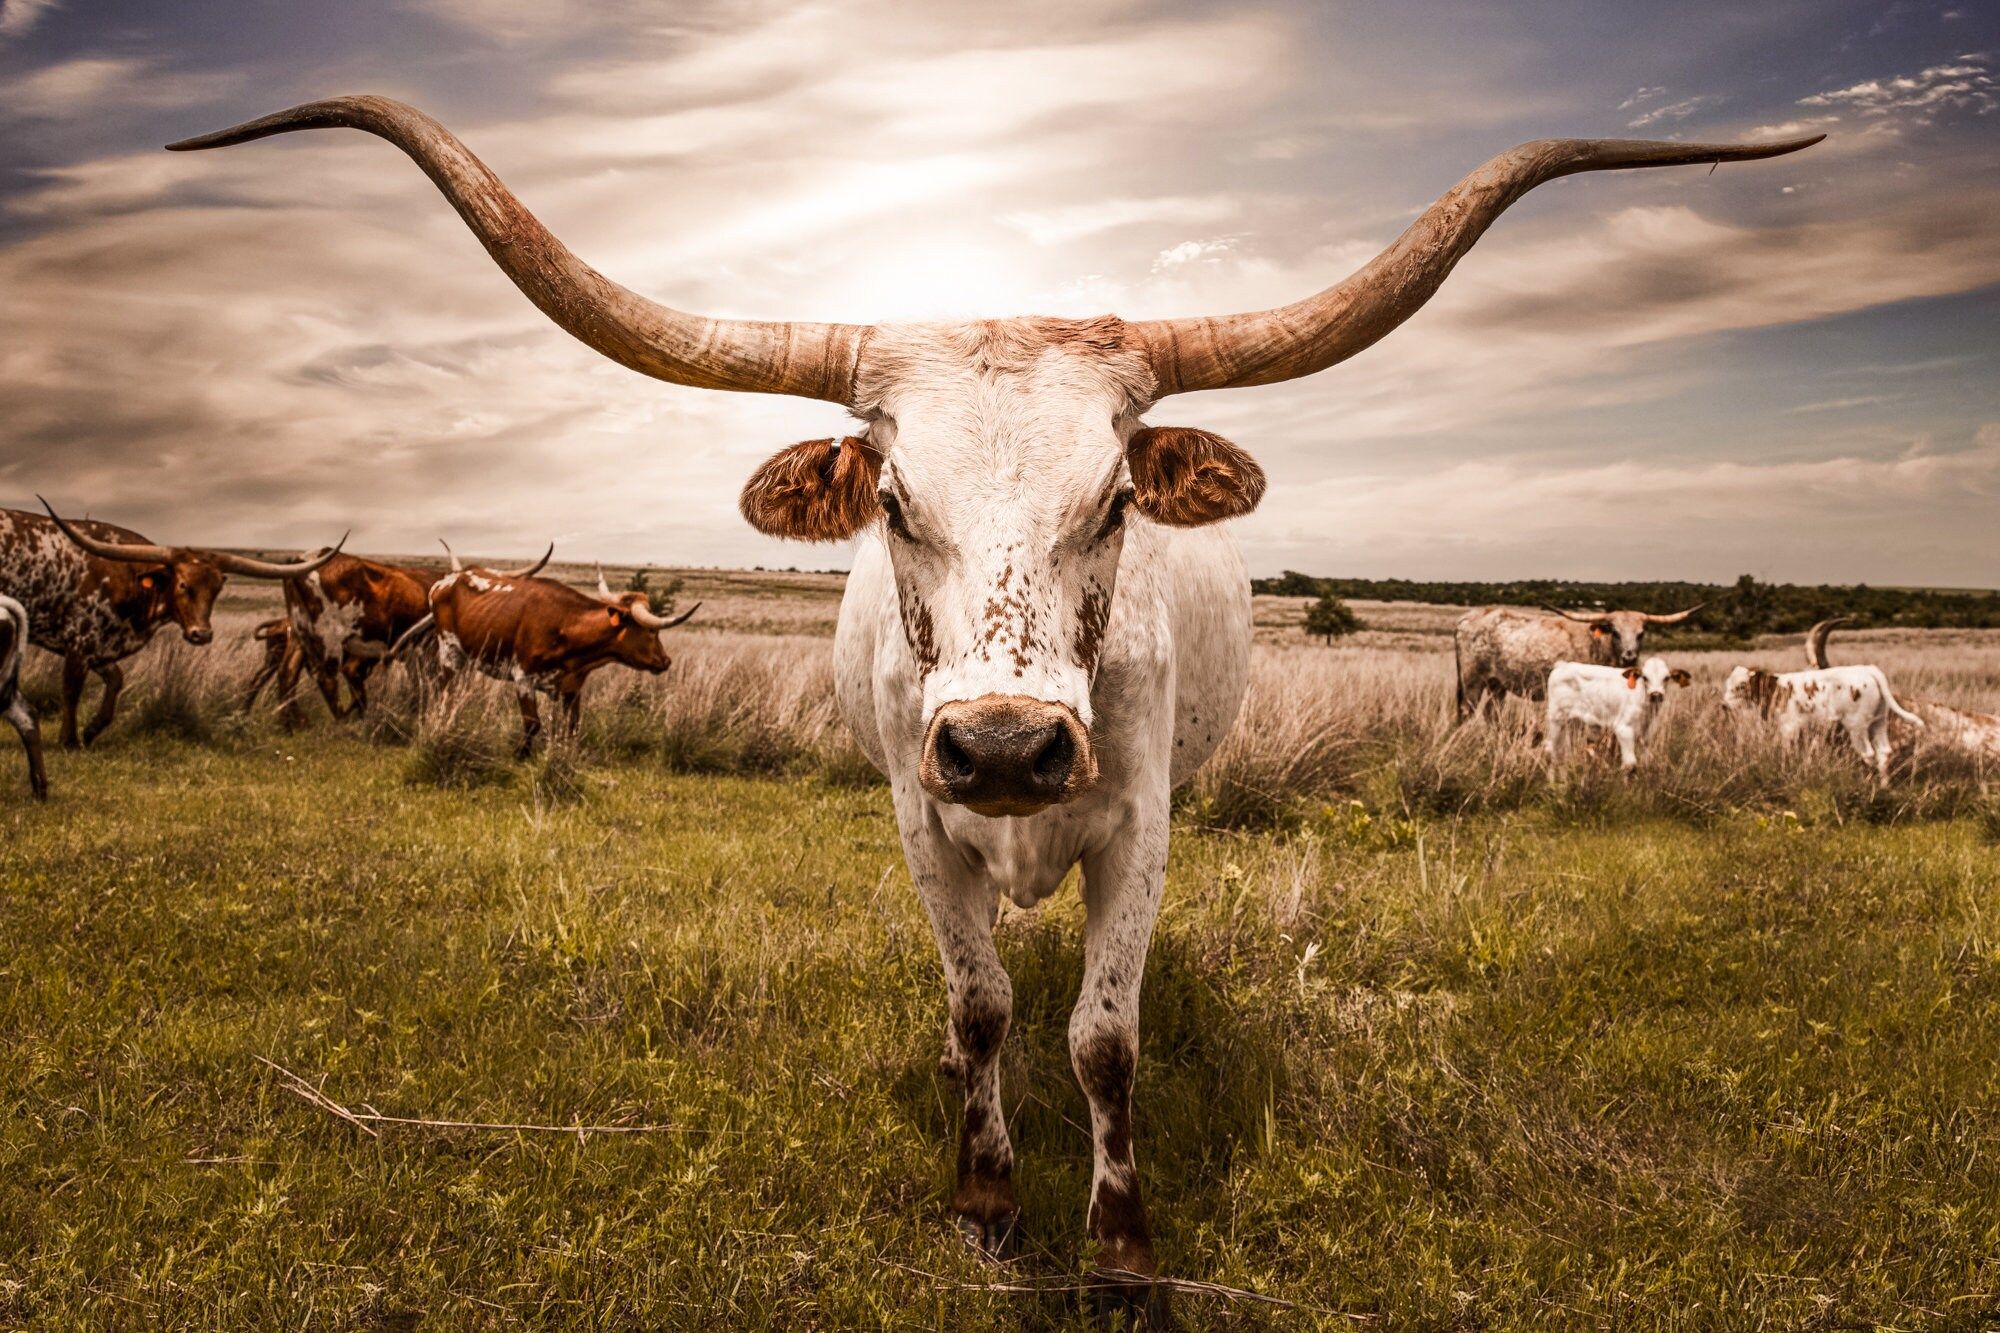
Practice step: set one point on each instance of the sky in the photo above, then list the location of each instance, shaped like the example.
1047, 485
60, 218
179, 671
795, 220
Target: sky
1786, 368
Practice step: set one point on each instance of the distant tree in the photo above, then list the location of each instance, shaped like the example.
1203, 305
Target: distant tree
1330, 618
641, 581
1748, 613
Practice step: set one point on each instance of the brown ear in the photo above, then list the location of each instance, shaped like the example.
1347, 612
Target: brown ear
1680, 677
1631, 678
818, 491
1188, 477
616, 614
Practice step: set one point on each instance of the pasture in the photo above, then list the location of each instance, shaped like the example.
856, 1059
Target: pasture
1430, 1040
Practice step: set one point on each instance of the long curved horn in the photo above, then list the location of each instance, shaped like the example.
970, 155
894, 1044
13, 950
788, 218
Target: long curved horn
1816, 641
642, 616
134, 552
412, 634
528, 571
456, 567
1267, 346
603, 588
1676, 618
810, 360
273, 569
1591, 619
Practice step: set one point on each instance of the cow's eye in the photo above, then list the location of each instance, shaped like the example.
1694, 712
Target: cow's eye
1114, 517
892, 509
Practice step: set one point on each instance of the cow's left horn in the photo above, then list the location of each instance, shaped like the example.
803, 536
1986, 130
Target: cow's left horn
642, 616
1267, 346
274, 569
1589, 619
810, 360
1676, 618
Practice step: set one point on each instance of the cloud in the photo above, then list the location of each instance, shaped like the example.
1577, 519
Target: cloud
1680, 110
1059, 226
99, 85
18, 16
1965, 84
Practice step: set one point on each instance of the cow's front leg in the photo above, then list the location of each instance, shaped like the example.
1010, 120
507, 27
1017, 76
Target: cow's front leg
961, 906
22, 719
531, 719
1628, 749
1121, 893
113, 677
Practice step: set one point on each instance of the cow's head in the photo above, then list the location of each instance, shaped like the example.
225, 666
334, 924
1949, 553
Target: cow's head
1003, 459
1001, 467
1654, 677
1752, 690
181, 583
1619, 635
632, 631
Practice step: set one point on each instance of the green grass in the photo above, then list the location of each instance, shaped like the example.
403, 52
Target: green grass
1506, 1071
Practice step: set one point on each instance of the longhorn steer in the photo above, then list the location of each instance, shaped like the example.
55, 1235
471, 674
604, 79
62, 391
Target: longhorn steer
1039, 638
1975, 734
1854, 698
95, 594
1622, 702
541, 635
14, 646
1503, 650
342, 619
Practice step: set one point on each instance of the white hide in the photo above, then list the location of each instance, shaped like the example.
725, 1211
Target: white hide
1856, 699
1623, 701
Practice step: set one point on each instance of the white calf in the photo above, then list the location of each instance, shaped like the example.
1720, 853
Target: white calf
1623, 701
1855, 698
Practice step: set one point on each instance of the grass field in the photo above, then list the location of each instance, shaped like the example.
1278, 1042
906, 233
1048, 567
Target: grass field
1430, 1041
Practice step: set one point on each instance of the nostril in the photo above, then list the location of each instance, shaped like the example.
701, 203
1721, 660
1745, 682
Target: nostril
1053, 762
953, 763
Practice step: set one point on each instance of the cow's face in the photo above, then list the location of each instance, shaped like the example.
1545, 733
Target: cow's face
1748, 690
1654, 677
632, 644
184, 591
1622, 634
1001, 468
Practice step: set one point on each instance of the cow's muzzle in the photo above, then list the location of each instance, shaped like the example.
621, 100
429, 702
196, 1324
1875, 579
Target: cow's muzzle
198, 636
1005, 754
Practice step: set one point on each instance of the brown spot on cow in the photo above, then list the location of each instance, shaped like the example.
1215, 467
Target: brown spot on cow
1092, 616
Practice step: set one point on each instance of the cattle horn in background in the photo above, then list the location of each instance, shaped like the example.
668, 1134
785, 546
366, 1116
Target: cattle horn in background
1816, 638
1676, 618
1269, 346
810, 360
147, 554
642, 616
1589, 618
819, 360
524, 572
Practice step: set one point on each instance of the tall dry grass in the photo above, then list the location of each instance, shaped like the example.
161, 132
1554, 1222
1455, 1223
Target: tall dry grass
1368, 720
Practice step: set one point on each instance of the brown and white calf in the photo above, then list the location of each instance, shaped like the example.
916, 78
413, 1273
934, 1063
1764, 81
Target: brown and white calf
540, 635
1855, 699
1044, 631
1504, 650
13, 647
1971, 733
1623, 702
96, 593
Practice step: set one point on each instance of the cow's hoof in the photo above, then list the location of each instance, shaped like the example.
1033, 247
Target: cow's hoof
995, 1241
1123, 1300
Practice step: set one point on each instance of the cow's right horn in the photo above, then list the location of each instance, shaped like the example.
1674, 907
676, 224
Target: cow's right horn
810, 360
1816, 641
135, 552
1676, 618
1590, 619
642, 616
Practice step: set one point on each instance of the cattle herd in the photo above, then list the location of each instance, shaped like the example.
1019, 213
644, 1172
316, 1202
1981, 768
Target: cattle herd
1029, 720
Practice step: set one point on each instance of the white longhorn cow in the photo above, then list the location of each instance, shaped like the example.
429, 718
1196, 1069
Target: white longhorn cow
1041, 636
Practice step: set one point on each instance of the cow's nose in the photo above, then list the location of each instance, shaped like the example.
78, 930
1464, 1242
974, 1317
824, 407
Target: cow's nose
1660, 697
1006, 754
197, 635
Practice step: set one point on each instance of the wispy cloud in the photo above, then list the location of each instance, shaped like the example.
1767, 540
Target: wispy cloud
1670, 111
1962, 84
18, 16
98, 85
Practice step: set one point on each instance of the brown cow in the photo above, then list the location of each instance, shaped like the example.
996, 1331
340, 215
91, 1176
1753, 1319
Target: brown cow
1502, 650
541, 635
97, 597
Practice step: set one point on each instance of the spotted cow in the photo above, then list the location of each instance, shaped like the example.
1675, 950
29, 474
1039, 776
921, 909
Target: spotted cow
13, 707
96, 593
